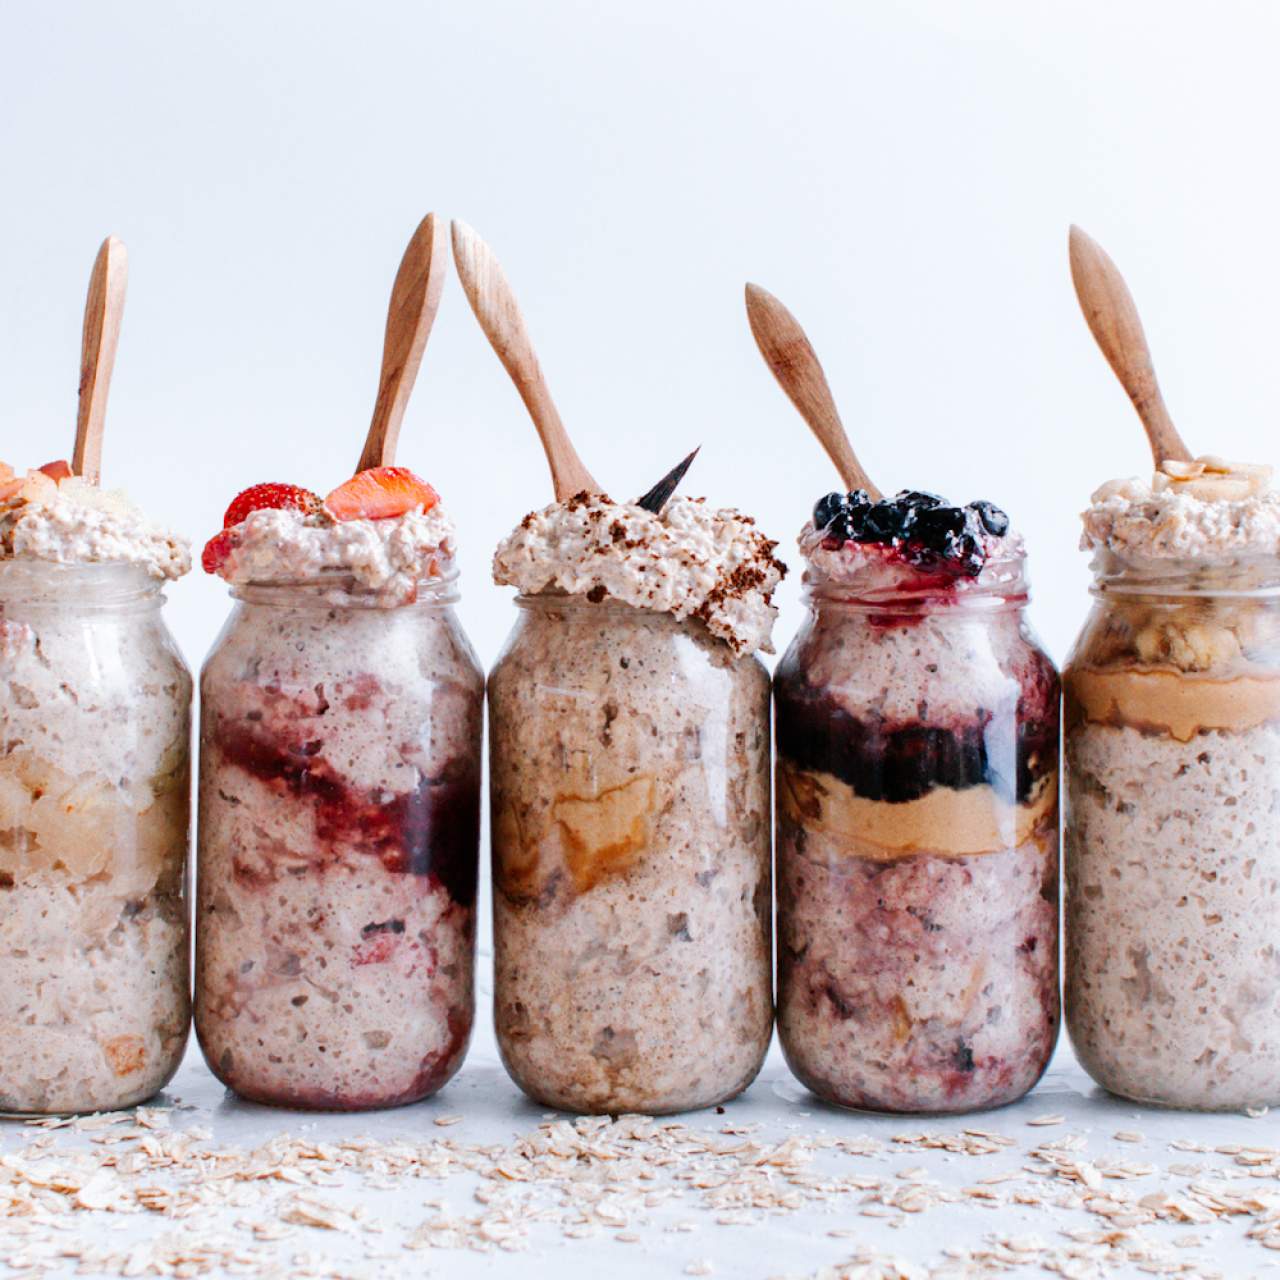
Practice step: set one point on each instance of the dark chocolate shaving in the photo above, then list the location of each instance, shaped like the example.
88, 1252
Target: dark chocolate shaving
657, 497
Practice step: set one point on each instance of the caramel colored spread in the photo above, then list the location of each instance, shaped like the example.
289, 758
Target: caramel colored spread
1171, 702
943, 823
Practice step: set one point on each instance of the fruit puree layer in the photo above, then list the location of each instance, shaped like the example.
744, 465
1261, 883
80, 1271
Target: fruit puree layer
629, 723
1172, 785
94, 807
917, 728
339, 801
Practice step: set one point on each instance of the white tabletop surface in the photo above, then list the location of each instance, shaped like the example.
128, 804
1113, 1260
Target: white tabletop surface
777, 1185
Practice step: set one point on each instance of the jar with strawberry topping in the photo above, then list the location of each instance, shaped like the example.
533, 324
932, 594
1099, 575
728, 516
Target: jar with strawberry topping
917, 801
339, 802
95, 720
629, 767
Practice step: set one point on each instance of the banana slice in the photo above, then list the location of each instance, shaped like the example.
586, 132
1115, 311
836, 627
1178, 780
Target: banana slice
1212, 479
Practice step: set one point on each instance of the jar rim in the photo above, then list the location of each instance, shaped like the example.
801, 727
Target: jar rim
95, 583
1001, 584
1254, 577
337, 588
579, 602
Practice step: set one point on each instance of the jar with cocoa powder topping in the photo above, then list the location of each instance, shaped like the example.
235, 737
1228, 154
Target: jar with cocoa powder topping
1172, 787
629, 775
917, 838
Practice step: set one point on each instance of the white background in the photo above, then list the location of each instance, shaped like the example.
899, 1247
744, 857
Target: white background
902, 175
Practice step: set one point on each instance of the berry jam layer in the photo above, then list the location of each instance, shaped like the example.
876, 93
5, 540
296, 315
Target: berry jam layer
632, 894
339, 796
94, 932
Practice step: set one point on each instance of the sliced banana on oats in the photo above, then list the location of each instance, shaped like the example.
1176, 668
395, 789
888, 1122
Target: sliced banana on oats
1212, 479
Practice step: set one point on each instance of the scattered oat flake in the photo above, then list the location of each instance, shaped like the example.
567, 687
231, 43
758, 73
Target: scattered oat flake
1045, 1121
445, 1121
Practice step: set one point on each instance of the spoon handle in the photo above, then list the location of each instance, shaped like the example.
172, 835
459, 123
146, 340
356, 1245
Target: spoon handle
499, 315
1113, 320
415, 299
103, 311
790, 355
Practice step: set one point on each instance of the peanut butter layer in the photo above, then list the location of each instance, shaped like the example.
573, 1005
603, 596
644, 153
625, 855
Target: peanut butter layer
1171, 702
943, 823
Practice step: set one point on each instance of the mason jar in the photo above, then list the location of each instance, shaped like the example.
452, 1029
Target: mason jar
95, 718
629, 776
1172, 863
340, 746
917, 843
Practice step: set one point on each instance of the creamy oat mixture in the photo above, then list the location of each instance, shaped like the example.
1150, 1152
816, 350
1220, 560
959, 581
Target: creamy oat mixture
72, 522
692, 561
1172, 786
630, 802
386, 557
94, 816
339, 834
917, 835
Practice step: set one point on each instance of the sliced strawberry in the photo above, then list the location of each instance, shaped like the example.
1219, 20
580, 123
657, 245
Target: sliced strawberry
59, 470
275, 497
216, 551
379, 494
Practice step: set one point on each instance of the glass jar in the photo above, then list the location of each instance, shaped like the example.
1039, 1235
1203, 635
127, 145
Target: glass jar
1172, 764
917, 844
629, 777
95, 718
339, 840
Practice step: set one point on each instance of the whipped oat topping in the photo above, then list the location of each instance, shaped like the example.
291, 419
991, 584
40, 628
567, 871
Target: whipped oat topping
387, 557
1202, 510
690, 560
73, 522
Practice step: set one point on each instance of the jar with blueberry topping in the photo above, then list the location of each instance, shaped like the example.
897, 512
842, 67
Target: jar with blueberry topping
917, 800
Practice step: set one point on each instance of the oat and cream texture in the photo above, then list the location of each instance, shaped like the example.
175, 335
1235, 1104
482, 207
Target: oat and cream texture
1172, 785
691, 560
74, 522
94, 783
386, 558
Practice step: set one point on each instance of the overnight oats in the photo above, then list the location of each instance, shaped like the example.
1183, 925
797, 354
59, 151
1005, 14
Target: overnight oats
94, 800
917, 802
339, 800
1172, 770
629, 767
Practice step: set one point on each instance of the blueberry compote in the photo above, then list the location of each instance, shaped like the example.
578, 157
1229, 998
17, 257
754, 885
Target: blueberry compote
921, 527
339, 846
917, 838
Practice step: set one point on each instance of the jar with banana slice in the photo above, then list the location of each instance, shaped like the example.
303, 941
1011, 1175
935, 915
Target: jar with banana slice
1172, 790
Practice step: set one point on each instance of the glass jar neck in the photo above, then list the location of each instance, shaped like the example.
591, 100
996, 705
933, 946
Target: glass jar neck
580, 608
107, 587
999, 588
339, 590
1255, 577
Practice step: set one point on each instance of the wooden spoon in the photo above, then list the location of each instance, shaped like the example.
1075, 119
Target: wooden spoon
1113, 320
499, 315
103, 311
415, 299
790, 354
